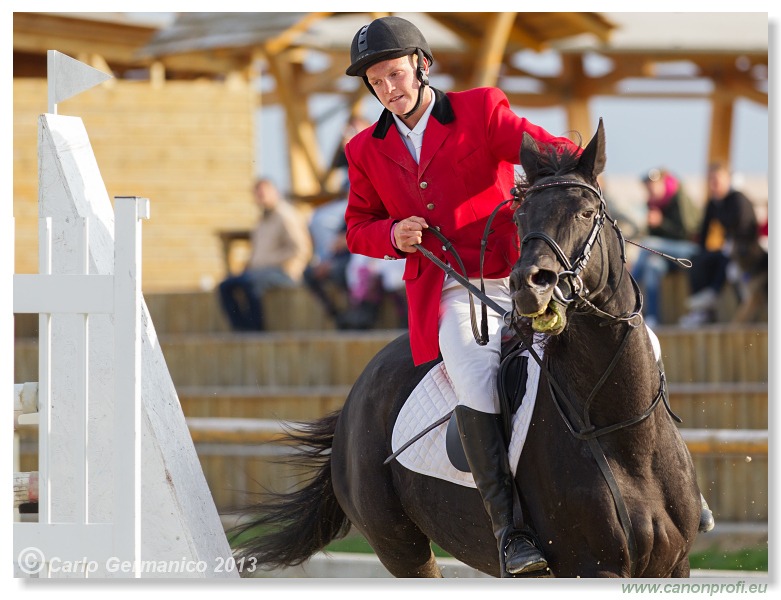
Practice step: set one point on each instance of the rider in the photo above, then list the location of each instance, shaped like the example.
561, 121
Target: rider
445, 161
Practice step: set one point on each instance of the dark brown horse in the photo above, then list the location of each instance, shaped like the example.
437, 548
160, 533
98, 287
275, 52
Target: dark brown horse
604, 477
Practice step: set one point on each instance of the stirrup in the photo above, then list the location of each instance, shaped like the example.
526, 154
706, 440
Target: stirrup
534, 568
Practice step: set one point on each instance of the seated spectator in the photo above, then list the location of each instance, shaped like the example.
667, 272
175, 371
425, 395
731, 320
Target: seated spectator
370, 281
748, 273
365, 281
280, 250
729, 226
326, 225
670, 219
329, 269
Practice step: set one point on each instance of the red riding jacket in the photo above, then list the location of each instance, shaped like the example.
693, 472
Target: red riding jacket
470, 145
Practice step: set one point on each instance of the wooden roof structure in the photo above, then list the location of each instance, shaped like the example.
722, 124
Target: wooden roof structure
472, 49
725, 56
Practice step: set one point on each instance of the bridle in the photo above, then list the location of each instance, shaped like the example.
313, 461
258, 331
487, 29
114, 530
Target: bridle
578, 297
573, 291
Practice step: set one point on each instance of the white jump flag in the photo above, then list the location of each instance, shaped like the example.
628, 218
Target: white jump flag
67, 77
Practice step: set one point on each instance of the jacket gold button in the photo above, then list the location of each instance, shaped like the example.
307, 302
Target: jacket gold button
423, 185
430, 206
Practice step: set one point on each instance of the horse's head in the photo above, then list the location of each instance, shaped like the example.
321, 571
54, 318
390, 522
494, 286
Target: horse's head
560, 219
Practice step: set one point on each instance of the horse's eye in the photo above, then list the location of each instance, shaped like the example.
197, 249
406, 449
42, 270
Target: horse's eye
587, 214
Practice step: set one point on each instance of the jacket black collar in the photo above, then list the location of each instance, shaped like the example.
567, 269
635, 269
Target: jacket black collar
442, 112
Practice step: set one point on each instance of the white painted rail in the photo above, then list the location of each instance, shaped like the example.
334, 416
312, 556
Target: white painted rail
85, 294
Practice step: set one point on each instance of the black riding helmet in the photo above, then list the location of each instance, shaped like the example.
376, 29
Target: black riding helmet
387, 38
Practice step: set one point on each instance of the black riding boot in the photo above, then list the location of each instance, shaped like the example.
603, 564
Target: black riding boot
486, 454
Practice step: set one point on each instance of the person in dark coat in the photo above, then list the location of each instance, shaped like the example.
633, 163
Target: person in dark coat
729, 224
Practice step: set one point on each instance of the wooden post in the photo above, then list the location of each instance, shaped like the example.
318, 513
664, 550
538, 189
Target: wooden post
305, 167
491, 53
576, 100
127, 378
722, 106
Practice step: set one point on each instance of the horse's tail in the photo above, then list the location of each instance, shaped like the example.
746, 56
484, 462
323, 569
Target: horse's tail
291, 527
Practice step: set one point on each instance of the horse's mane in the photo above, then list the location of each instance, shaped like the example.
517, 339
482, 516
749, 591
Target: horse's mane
551, 160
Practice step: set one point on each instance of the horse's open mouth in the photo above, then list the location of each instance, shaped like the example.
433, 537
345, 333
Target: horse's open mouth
550, 319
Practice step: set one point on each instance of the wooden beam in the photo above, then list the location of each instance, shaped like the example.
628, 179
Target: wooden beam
202, 63
286, 38
521, 35
745, 89
576, 100
721, 128
489, 58
587, 22
330, 182
306, 172
117, 42
543, 100
324, 81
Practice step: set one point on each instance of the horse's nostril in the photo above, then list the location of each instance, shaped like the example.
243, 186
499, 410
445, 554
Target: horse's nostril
543, 278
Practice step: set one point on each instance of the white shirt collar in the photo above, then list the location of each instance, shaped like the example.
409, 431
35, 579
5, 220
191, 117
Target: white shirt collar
413, 138
421, 125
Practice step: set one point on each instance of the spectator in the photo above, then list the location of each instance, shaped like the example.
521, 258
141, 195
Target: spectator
326, 226
329, 267
331, 256
670, 221
355, 124
281, 249
729, 225
370, 281
365, 282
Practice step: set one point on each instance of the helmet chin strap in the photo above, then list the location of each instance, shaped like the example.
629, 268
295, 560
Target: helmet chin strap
423, 79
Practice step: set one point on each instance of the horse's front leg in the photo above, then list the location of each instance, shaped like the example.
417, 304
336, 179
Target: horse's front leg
682, 569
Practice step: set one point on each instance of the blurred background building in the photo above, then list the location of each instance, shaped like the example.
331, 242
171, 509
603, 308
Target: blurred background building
202, 103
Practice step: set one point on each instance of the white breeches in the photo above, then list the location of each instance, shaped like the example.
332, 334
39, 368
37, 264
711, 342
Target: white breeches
473, 369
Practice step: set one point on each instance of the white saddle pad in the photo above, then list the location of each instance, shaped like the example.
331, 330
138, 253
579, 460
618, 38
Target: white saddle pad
431, 400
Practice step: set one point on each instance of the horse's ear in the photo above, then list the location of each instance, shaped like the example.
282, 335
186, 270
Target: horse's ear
530, 157
592, 160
